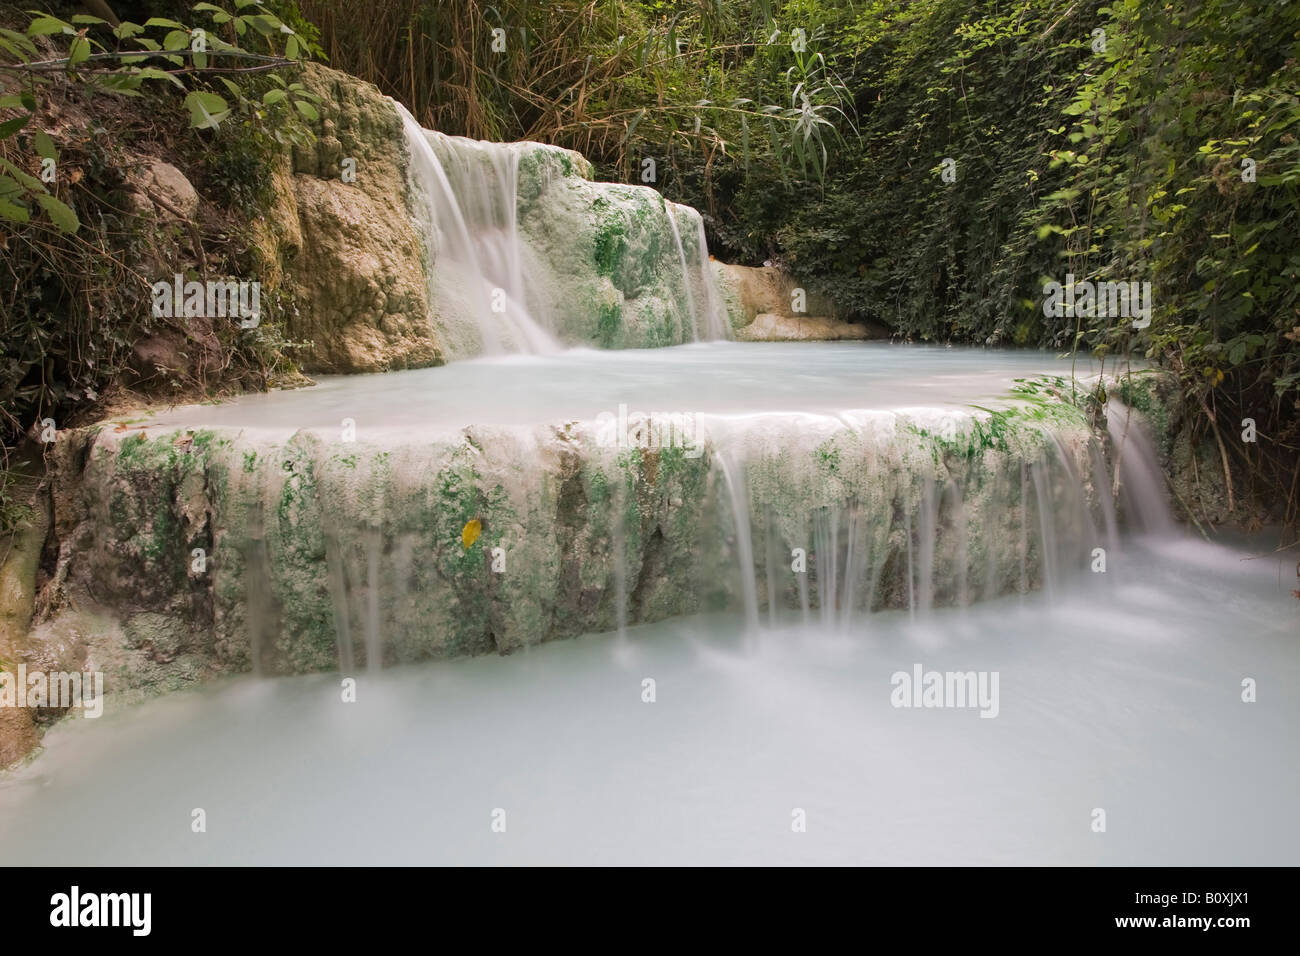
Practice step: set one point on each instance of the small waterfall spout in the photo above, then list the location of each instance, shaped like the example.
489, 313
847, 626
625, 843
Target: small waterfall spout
1137, 475
744, 541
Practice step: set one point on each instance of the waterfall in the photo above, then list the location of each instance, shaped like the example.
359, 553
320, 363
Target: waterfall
466, 197
374, 633
1137, 474
686, 275
716, 325
336, 572
496, 285
744, 541
920, 540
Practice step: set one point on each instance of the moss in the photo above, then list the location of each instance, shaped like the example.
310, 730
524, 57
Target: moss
164, 538
662, 329
1153, 395
609, 326
132, 452
598, 490
828, 457
611, 247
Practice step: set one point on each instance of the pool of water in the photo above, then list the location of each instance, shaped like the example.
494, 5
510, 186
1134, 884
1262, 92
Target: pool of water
1122, 694
710, 378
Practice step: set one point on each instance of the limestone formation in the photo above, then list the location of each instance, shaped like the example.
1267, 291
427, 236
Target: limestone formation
343, 240
767, 304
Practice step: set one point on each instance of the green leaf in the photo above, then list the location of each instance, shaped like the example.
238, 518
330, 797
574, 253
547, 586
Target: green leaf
264, 23
61, 215
631, 127
78, 52
153, 73
307, 110
164, 22
207, 110
271, 97
9, 127
122, 85
47, 26
17, 43
176, 40
45, 146
14, 212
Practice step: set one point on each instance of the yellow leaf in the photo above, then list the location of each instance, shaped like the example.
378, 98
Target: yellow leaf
469, 534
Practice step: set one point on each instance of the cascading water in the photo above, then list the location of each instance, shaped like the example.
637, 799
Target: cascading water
686, 275
466, 194
704, 303
831, 506
914, 550
494, 287
1137, 479
715, 318
739, 504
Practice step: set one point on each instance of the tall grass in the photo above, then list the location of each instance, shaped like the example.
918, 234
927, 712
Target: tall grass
605, 78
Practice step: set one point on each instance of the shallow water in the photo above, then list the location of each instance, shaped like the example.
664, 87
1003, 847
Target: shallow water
703, 378
1124, 695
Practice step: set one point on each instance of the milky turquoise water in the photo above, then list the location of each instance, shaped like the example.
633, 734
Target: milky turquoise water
708, 378
1124, 695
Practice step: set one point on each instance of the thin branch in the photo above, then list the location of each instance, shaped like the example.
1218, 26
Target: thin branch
42, 66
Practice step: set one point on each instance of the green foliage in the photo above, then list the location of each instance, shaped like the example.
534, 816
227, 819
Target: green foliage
222, 100
1125, 161
122, 60
686, 83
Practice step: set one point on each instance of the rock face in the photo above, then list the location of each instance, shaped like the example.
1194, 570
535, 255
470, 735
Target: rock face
18, 563
623, 267
397, 265
168, 185
761, 305
768, 327
320, 554
344, 244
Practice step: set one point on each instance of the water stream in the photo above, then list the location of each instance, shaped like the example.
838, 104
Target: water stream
1123, 694
466, 205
